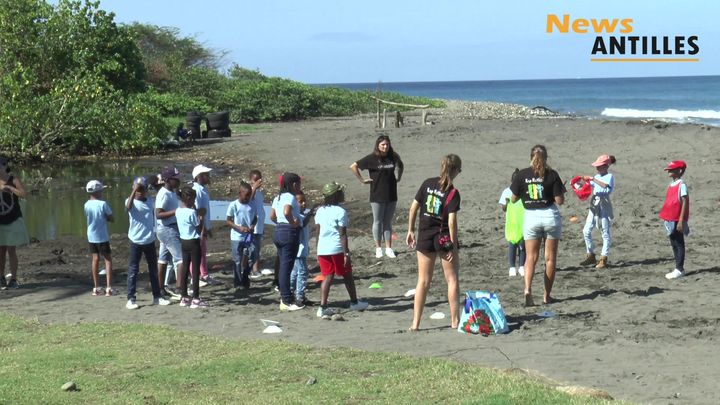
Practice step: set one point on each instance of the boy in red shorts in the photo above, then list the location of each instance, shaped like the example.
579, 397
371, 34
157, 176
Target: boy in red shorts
333, 254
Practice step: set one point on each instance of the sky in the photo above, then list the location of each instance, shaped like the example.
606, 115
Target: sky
348, 41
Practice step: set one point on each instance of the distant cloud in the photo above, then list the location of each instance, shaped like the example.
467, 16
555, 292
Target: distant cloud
342, 37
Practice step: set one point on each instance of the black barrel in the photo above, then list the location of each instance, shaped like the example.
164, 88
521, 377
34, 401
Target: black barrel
218, 120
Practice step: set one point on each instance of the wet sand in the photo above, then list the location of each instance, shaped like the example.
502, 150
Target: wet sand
625, 329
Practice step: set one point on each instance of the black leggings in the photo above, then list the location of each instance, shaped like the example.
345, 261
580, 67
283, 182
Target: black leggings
190, 254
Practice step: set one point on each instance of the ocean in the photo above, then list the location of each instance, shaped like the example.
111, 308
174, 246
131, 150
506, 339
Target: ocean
677, 99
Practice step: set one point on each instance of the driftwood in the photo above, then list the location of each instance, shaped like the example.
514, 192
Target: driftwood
399, 104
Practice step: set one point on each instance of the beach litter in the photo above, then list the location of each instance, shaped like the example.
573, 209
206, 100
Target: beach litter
375, 286
546, 314
437, 315
410, 293
272, 329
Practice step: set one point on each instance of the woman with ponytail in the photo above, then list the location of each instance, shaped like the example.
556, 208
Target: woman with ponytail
438, 202
541, 191
285, 213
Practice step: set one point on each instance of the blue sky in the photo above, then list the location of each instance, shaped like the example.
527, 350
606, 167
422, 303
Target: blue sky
365, 41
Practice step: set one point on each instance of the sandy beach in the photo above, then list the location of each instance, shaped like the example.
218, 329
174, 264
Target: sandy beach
625, 329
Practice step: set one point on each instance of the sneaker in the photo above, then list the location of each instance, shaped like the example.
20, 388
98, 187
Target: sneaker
325, 313
378, 253
198, 303
96, 292
102, 272
521, 271
172, 292
13, 284
512, 272
389, 253
131, 304
109, 292
359, 306
203, 283
210, 280
161, 301
290, 307
185, 302
276, 288
674, 274
255, 275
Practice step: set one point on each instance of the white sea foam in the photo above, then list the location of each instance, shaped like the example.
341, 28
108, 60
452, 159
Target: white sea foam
671, 114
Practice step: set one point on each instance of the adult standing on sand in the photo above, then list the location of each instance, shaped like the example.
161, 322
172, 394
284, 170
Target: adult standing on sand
13, 232
438, 202
541, 191
381, 165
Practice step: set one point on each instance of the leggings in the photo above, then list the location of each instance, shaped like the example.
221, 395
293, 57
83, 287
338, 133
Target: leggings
383, 215
190, 253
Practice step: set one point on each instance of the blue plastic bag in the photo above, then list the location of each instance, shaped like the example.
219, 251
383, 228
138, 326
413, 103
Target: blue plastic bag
482, 314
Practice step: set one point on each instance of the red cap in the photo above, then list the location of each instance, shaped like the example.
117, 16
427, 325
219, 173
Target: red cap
602, 160
676, 164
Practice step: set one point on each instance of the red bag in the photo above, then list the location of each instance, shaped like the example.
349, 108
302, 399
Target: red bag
582, 188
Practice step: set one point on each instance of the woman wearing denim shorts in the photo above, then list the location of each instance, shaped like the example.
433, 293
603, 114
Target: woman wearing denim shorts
541, 191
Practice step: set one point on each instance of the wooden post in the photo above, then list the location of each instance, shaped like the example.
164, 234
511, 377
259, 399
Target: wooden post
378, 114
384, 118
423, 120
398, 119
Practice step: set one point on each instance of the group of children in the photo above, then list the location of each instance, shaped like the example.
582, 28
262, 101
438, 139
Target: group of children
674, 213
179, 218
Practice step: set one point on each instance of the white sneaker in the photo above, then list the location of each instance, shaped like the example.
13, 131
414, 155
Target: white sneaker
203, 283
378, 253
359, 306
161, 301
674, 274
131, 304
102, 272
326, 313
512, 272
291, 307
389, 253
521, 271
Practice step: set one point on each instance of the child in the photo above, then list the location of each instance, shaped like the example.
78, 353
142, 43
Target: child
13, 232
141, 213
201, 177
166, 230
190, 227
601, 211
242, 219
285, 214
299, 275
514, 213
333, 253
98, 214
675, 212
258, 199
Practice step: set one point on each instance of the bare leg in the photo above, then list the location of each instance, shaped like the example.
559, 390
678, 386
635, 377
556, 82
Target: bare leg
12, 254
426, 262
161, 274
3, 249
551, 247
532, 251
350, 286
450, 268
94, 264
108, 271
325, 289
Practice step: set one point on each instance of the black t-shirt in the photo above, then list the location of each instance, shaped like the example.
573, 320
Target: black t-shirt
9, 205
382, 172
536, 192
434, 207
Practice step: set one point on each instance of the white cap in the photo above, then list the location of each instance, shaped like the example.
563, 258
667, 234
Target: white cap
200, 169
94, 186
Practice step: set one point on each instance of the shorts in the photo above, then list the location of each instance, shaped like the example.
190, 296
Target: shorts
170, 248
102, 248
14, 234
542, 224
333, 264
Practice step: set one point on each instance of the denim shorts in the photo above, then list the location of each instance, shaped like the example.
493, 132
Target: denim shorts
542, 223
170, 248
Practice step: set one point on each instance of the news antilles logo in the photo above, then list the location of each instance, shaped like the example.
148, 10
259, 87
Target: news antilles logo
626, 48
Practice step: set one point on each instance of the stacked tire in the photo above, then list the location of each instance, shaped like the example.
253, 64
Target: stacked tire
218, 124
193, 119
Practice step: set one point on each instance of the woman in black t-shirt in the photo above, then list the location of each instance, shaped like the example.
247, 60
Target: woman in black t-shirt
438, 202
12, 225
381, 165
541, 191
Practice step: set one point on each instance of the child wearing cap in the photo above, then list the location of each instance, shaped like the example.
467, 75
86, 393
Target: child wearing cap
514, 213
600, 213
333, 252
242, 218
190, 227
675, 213
201, 177
166, 230
13, 232
141, 213
98, 214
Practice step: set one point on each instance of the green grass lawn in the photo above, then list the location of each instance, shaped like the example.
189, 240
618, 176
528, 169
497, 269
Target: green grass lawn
140, 364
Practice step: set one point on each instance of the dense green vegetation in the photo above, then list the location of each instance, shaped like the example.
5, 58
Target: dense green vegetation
114, 363
73, 81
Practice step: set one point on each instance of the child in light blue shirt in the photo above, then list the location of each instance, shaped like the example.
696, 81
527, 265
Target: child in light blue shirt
190, 227
242, 219
98, 214
299, 275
